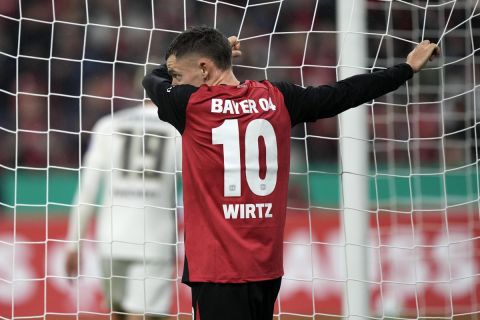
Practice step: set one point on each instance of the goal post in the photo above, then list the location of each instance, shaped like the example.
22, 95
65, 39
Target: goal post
354, 149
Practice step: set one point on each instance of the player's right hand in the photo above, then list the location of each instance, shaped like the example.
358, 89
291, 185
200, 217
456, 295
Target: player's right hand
71, 263
235, 44
421, 54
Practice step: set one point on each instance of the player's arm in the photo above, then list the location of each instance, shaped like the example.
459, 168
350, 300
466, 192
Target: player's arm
171, 100
89, 187
312, 103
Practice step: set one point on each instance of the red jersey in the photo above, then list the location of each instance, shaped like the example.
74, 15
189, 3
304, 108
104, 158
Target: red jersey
236, 160
236, 152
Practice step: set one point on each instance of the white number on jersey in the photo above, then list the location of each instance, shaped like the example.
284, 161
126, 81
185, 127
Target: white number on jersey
228, 135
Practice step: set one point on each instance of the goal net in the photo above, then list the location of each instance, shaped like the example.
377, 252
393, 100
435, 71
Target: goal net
66, 64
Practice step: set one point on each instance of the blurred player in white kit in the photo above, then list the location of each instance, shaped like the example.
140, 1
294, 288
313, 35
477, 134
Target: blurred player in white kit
128, 178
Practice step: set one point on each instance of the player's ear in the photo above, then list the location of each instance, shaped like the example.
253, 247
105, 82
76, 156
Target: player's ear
204, 68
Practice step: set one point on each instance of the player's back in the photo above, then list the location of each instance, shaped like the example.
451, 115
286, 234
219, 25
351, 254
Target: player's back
135, 153
236, 155
236, 146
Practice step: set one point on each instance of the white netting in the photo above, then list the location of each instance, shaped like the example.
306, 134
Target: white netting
67, 63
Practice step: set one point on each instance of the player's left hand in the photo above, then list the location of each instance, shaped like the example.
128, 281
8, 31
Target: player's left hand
235, 44
421, 54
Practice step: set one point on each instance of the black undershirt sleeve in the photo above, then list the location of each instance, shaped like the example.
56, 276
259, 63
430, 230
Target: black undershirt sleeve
171, 100
312, 103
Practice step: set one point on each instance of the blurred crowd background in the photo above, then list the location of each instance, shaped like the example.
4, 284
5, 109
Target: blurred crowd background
66, 63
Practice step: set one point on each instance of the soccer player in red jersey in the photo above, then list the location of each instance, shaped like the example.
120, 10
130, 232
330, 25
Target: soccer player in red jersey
236, 153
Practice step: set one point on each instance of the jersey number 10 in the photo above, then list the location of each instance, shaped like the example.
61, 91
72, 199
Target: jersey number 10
228, 135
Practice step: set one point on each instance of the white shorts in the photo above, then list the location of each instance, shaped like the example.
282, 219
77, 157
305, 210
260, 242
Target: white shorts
138, 287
